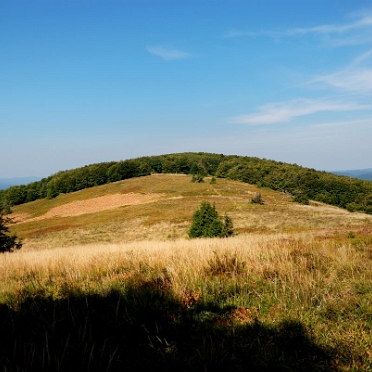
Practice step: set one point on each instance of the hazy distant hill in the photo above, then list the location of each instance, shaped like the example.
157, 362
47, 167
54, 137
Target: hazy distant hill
7, 182
363, 174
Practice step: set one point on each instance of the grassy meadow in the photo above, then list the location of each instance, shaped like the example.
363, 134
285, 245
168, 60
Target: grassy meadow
125, 290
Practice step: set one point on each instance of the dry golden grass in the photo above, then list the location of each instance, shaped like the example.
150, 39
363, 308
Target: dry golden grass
300, 260
310, 264
169, 217
322, 282
185, 259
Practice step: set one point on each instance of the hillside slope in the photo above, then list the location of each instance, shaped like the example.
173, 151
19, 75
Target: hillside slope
160, 207
302, 183
107, 278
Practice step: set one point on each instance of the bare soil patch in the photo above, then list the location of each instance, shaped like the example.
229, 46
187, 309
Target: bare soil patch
19, 217
94, 205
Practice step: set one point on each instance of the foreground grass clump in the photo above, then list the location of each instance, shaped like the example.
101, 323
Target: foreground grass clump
261, 303
145, 328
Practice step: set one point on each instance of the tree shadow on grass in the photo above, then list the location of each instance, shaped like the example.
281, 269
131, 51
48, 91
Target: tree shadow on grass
143, 328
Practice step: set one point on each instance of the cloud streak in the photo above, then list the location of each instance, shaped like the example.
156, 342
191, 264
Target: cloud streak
353, 33
357, 81
364, 22
167, 54
281, 112
356, 78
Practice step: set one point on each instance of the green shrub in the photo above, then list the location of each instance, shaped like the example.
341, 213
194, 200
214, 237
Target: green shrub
206, 223
197, 178
257, 199
350, 235
301, 198
8, 242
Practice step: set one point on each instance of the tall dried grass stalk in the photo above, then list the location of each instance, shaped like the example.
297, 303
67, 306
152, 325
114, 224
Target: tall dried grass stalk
298, 266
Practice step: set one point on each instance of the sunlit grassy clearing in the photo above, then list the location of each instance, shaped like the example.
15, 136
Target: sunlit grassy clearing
168, 219
323, 282
170, 216
300, 264
305, 263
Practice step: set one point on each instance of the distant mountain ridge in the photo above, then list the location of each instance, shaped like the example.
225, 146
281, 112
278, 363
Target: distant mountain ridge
363, 174
16, 181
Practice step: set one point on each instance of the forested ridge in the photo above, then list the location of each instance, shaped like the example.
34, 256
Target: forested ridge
302, 183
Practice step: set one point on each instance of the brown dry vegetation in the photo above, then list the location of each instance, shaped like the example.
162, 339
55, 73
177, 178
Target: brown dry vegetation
322, 282
309, 264
89, 206
168, 211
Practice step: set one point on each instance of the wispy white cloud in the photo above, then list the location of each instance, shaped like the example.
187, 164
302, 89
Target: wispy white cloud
352, 33
356, 78
281, 112
339, 124
167, 54
362, 23
359, 80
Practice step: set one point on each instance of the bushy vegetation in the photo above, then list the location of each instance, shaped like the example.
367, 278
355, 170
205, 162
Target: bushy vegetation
303, 184
257, 199
206, 223
8, 242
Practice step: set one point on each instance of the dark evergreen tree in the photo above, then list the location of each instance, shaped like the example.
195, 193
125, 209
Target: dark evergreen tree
197, 178
194, 169
228, 227
206, 223
8, 242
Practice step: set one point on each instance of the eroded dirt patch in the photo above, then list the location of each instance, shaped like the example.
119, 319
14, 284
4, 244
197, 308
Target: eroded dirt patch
94, 205
19, 217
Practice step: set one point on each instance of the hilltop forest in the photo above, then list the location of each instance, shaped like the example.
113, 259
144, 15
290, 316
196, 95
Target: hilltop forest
302, 183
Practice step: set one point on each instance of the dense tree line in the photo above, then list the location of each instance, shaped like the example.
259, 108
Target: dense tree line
302, 183
73, 180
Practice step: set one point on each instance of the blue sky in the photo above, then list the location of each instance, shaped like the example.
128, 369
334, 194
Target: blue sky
84, 81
